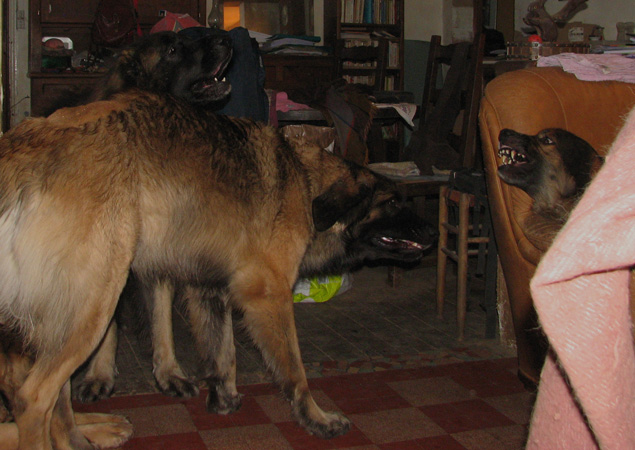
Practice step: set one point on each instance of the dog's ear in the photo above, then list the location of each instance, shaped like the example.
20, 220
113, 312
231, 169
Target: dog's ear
336, 202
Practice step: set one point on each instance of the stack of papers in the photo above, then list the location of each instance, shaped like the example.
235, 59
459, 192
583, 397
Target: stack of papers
396, 169
288, 41
261, 38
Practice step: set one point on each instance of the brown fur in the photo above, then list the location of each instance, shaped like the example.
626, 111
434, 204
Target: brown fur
553, 167
150, 185
165, 63
332, 252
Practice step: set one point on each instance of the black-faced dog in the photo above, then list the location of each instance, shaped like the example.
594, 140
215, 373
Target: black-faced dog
553, 167
148, 184
185, 66
171, 63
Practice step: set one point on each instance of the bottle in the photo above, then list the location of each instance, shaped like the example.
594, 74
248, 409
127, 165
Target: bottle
535, 44
215, 17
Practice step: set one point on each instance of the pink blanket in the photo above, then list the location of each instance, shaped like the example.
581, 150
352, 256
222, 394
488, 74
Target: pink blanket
586, 397
604, 67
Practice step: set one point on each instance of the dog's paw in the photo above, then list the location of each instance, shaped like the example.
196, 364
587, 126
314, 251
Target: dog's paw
105, 431
177, 386
335, 424
219, 403
93, 389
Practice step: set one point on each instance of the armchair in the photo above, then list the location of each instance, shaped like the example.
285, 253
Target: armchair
528, 101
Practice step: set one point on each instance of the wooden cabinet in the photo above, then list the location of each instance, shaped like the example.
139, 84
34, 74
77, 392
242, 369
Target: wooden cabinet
287, 72
366, 20
73, 20
56, 11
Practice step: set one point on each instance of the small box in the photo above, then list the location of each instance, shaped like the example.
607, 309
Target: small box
578, 32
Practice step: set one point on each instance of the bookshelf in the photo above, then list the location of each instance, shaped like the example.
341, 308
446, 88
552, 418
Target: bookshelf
362, 22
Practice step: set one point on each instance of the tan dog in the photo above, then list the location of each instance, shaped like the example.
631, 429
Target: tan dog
147, 184
150, 65
553, 167
188, 69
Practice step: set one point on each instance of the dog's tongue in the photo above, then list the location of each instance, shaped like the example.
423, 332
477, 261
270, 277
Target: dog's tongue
402, 244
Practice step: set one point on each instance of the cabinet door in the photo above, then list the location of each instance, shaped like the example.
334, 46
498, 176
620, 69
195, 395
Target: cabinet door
65, 11
149, 11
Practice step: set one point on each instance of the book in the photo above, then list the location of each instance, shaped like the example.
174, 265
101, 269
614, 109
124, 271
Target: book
368, 11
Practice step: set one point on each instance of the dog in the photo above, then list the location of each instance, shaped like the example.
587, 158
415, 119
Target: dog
106, 430
553, 167
339, 249
189, 66
333, 255
147, 183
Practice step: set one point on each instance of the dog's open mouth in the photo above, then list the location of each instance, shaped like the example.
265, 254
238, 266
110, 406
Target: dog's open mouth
206, 84
214, 86
511, 156
399, 245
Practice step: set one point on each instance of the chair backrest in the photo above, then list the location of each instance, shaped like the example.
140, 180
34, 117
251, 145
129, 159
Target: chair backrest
365, 64
452, 91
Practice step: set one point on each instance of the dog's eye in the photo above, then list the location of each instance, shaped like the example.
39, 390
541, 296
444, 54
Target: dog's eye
547, 140
172, 50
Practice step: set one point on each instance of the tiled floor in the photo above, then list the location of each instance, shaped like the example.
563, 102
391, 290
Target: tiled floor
376, 353
470, 405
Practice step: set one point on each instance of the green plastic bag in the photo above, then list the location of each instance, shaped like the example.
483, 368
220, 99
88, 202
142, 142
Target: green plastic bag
320, 289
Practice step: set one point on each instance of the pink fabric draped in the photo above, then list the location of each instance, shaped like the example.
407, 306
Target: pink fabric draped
586, 396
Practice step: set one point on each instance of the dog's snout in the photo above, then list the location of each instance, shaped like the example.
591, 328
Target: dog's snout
506, 133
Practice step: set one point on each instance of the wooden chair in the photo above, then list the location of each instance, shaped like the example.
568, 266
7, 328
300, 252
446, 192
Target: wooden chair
449, 107
464, 213
449, 122
449, 119
447, 101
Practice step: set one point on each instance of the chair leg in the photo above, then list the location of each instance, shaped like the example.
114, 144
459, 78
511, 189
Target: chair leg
441, 256
491, 317
461, 289
395, 274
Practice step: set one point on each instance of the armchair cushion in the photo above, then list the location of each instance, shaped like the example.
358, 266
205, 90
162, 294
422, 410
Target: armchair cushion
528, 101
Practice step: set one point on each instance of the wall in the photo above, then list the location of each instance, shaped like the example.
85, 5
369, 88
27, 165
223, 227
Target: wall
598, 12
423, 19
427, 17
